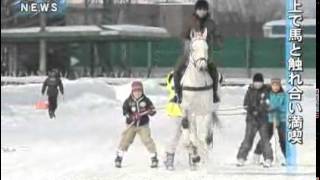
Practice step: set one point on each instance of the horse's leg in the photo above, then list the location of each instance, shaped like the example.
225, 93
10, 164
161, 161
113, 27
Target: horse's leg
194, 157
199, 126
205, 131
192, 147
215, 120
212, 122
185, 127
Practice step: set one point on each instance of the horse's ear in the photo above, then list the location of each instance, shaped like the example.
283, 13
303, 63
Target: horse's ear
205, 33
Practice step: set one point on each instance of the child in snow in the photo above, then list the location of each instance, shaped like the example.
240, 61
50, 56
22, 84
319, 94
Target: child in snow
256, 104
137, 108
51, 85
277, 117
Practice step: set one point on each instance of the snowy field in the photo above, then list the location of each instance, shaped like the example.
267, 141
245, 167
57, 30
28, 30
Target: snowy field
80, 143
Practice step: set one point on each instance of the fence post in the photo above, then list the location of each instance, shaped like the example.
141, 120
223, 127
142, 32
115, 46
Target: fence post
92, 66
149, 44
96, 60
42, 46
13, 60
124, 57
248, 55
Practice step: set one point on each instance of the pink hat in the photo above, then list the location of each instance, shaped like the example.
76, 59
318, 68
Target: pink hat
136, 85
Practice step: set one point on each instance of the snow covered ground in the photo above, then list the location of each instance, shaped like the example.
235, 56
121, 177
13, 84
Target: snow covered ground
80, 143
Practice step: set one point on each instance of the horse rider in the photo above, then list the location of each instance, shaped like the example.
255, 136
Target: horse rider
199, 20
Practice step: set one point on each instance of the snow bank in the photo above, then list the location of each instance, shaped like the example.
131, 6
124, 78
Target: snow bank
81, 142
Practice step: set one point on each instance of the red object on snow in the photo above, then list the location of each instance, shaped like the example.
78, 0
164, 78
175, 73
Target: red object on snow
42, 105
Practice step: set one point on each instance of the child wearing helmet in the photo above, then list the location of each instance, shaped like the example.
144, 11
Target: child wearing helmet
137, 108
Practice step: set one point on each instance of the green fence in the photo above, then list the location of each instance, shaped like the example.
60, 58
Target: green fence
236, 53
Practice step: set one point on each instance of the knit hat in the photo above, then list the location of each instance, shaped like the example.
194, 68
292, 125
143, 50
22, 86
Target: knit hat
136, 85
275, 81
258, 77
52, 73
201, 4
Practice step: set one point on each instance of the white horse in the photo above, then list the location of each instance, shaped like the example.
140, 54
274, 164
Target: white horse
197, 96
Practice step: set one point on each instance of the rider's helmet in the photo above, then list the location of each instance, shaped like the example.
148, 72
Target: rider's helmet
201, 4
201, 8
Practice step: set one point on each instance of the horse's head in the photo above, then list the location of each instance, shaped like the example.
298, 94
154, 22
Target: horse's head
199, 49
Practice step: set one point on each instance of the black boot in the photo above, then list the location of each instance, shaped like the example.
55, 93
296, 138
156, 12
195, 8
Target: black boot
169, 163
179, 95
154, 161
216, 98
118, 161
215, 78
51, 114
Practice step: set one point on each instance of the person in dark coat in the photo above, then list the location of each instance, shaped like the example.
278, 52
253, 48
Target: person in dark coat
50, 87
276, 118
199, 20
256, 103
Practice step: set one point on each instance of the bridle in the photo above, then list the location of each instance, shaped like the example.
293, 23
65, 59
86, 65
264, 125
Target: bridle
195, 61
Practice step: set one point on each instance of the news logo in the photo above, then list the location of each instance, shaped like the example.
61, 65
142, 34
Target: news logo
33, 7
36, 6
